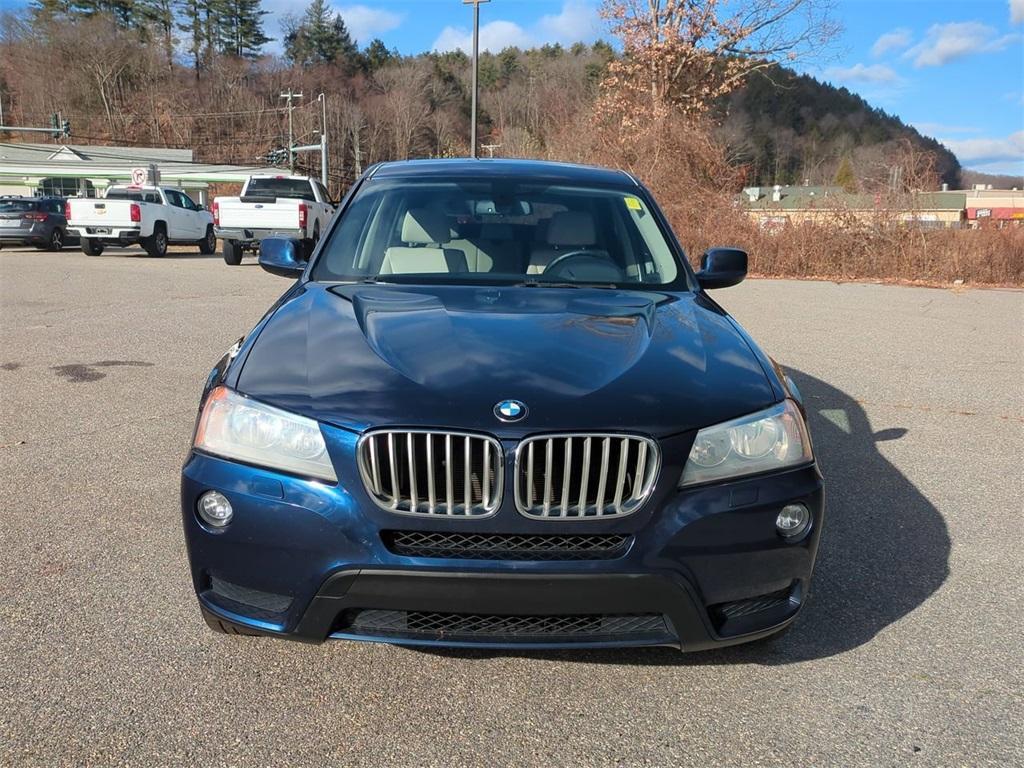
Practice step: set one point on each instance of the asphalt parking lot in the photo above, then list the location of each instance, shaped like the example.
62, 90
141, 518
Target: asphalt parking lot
909, 651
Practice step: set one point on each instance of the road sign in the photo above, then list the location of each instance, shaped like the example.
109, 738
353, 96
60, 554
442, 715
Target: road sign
139, 176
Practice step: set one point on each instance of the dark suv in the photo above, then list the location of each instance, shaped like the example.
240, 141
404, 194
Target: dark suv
37, 221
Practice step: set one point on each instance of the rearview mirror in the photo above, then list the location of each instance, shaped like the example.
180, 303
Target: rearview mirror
281, 256
722, 267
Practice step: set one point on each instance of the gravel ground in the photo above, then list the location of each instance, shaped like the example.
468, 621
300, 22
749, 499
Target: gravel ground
909, 651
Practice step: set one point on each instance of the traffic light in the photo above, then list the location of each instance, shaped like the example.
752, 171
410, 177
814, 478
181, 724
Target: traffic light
55, 125
66, 128
276, 156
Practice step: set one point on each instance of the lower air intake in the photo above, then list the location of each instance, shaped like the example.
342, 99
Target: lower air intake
506, 546
484, 627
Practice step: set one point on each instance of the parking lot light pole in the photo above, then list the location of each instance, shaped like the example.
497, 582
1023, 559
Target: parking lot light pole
476, 70
322, 98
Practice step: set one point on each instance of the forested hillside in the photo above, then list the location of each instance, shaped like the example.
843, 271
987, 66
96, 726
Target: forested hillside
194, 74
788, 128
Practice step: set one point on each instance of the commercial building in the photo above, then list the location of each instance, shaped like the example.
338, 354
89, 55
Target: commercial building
86, 171
995, 207
777, 206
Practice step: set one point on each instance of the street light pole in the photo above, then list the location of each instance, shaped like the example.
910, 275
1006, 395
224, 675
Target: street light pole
476, 70
322, 98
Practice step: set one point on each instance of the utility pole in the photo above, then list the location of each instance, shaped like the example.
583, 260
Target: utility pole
476, 70
291, 141
322, 98
490, 148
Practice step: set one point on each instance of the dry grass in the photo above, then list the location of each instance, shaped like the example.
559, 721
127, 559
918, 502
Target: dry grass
845, 249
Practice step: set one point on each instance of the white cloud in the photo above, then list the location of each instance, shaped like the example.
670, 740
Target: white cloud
577, 21
1016, 11
365, 23
1005, 152
494, 35
946, 42
896, 40
860, 73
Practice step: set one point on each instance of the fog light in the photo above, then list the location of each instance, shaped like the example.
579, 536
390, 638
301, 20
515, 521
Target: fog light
793, 520
215, 509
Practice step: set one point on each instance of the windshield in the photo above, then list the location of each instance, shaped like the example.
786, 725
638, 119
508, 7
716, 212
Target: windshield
298, 189
497, 231
16, 206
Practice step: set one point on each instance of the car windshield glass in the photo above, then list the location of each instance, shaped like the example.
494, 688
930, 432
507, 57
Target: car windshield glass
16, 206
298, 189
499, 230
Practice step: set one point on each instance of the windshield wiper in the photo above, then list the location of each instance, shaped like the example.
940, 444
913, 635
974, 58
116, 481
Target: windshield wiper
554, 284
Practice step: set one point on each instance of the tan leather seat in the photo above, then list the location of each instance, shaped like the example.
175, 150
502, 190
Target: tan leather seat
425, 232
567, 231
494, 249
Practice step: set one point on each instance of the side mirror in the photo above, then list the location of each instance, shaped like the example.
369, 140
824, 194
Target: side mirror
722, 267
280, 256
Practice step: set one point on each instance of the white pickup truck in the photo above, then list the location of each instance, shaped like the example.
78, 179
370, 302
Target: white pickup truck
151, 216
271, 206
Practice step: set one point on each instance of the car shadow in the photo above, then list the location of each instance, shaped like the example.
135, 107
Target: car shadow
884, 550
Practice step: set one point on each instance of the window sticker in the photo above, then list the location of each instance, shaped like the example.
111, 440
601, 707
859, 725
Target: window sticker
633, 204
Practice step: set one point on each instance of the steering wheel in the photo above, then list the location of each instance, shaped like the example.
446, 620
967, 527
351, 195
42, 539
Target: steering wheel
585, 267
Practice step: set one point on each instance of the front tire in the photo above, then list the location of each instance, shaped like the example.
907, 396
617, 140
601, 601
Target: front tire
232, 253
156, 244
208, 244
90, 247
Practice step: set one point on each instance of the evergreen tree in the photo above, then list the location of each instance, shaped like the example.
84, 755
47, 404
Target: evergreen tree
123, 11
845, 177
194, 15
377, 55
157, 18
239, 27
318, 38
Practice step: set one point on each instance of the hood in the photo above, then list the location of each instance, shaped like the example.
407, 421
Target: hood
361, 356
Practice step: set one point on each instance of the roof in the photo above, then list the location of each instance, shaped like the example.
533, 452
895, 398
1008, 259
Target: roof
82, 153
806, 198
527, 170
24, 162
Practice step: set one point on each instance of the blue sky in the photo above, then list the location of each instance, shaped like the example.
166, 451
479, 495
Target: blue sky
954, 69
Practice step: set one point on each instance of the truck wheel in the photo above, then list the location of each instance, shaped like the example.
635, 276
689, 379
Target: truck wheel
208, 244
232, 253
156, 244
90, 247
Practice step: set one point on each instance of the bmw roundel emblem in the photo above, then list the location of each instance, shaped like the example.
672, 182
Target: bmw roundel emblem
510, 410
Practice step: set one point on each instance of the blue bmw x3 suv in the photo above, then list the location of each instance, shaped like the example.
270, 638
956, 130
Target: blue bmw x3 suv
498, 408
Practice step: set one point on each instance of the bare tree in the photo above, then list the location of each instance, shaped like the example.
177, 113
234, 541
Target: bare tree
404, 105
681, 55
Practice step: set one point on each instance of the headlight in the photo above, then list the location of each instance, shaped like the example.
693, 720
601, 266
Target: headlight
235, 427
765, 441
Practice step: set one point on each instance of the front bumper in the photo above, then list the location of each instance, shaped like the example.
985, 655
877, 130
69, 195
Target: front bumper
703, 567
